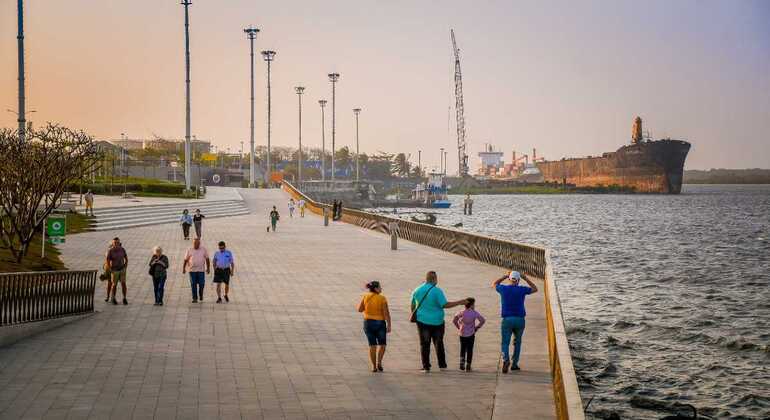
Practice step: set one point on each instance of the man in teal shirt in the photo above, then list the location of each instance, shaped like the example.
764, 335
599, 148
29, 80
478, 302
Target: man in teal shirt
429, 303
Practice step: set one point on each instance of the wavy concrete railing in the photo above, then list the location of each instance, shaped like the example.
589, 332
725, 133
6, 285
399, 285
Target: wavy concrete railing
525, 258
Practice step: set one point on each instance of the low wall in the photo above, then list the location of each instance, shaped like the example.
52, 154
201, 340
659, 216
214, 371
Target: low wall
510, 255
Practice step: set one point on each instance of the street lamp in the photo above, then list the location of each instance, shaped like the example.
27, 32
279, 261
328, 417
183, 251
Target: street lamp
357, 111
419, 163
299, 90
268, 56
20, 47
251, 34
333, 77
441, 160
187, 163
322, 102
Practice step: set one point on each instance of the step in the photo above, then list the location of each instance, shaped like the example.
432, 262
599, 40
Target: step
165, 217
158, 222
153, 211
192, 205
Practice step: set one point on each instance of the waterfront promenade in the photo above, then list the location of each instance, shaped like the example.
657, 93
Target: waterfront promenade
288, 345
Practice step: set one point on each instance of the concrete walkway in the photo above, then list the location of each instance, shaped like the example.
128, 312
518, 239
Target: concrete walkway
288, 345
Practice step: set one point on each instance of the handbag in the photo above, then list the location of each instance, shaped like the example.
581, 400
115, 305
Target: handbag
413, 317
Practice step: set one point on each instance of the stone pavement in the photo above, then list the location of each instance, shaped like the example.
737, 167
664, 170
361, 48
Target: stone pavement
289, 345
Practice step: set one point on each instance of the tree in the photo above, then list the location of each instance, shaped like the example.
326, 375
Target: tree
342, 158
401, 165
379, 166
34, 174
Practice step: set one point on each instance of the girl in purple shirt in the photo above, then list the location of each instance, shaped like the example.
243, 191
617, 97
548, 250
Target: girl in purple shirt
465, 321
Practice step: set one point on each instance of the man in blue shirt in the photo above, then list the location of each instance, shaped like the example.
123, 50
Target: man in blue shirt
429, 303
513, 313
224, 267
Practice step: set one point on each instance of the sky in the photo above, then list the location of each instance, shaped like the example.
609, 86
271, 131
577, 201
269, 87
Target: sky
564, 77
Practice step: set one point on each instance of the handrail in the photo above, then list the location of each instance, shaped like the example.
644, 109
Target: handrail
37, 296
511, 255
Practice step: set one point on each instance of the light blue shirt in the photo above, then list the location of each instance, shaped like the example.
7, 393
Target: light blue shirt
186, 218
223, 259
431, 311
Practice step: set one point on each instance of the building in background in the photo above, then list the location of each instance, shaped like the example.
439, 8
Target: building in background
165, 145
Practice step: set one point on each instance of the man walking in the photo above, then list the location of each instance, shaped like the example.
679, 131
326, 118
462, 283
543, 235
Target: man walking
196, 260
302, 206
274, 217
89, 197
224, 267
116, 262
513, 313
428, 303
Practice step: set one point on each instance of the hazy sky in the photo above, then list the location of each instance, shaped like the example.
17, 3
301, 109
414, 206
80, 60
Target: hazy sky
565, 77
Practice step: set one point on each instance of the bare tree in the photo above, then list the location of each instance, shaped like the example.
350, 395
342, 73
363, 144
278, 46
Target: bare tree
34, 174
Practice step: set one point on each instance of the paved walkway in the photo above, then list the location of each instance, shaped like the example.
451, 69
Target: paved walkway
288, 345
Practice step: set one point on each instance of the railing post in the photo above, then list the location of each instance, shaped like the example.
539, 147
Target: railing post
326, 216
393, 228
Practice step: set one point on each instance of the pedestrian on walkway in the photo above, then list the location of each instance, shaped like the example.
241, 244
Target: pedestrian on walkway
224, 268
158, 267
377, 323
301, 204
274, 217
107, 275
339, 210
89, 197
513, 313
291, 208
465, 321
197, 262
116, 261
186, 221
198, 222
428, 303
335, 208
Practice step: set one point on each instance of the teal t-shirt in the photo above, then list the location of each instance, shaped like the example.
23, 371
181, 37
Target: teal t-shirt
431, 311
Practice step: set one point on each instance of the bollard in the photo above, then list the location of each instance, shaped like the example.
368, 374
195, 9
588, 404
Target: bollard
326, 216
393, 227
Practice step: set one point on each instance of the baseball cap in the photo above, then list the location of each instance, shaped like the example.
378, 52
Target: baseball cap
515, 275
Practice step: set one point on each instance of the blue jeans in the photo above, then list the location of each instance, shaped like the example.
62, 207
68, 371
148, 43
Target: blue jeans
512, 325
197, 281
158, 284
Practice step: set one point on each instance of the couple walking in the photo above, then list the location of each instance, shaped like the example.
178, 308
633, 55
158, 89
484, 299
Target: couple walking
198, 264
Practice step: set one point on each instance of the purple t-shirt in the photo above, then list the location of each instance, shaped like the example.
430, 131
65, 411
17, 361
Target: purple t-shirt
465, 321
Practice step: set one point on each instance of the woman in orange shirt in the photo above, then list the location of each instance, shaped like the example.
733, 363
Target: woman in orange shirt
374, 306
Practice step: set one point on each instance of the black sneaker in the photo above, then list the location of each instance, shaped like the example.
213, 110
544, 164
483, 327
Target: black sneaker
462, 365
107, 299
114, 302
468, 367
195, 300
379, 367
515, 367
425, 370
227, 299
219, 300
125, 302
160, 303
506, 365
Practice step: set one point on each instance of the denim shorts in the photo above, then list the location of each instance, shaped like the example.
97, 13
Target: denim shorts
376, 332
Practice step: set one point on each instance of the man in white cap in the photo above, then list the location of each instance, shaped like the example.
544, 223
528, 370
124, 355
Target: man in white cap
513, 313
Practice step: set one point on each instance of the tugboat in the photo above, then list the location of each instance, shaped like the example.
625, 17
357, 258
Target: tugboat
433, 194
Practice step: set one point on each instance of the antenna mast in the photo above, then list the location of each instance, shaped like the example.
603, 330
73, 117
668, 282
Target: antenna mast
459, 111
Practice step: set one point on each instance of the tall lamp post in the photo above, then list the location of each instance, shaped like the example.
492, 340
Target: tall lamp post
268, 56
322, 102
22, 98
357, 111
419, 162
251, 34
187, 163
333, 77
299, 90
441, 159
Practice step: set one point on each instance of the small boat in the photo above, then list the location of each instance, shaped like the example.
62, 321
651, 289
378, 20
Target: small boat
433, 193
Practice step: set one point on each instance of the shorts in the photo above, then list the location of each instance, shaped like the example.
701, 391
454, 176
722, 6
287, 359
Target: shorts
222, 275
119, 276
376, 332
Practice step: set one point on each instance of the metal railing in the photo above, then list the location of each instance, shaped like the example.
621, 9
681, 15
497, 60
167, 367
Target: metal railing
37, 296
510, 255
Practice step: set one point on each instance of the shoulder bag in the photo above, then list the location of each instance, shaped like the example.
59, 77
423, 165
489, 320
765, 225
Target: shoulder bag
413, 317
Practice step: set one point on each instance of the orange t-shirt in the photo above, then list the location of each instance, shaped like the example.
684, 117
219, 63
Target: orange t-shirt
374, 306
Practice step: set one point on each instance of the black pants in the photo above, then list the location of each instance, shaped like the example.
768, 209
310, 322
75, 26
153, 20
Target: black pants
434, 333
466, 349
186, 230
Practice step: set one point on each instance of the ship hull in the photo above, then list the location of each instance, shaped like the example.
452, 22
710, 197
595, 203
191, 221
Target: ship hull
650, 167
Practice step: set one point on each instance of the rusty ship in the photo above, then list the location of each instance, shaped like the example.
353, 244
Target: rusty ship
645, 165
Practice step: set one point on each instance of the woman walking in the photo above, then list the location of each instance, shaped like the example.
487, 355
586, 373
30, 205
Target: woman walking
377, 323
198, 222
158, 267
186, 220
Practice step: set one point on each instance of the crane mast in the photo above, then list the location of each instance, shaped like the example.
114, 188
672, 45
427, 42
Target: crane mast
462, 157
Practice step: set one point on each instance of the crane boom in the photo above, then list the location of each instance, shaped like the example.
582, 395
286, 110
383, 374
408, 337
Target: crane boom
462, 156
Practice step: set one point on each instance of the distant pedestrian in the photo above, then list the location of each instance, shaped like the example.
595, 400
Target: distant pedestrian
89, 197
291, 208
468, 205
274, 217
301, 204
335, 206
186, 221
224, 268
338, 215
116, 261
377, 323
197, 262
198, 222
158, 272
428, 303
513, 313
465, 321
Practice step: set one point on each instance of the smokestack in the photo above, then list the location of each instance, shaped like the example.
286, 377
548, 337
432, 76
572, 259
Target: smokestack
636, 131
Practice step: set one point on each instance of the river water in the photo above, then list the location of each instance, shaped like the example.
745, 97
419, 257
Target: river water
666, 298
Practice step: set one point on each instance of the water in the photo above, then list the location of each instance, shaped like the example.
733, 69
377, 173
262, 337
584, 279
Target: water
666, 298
